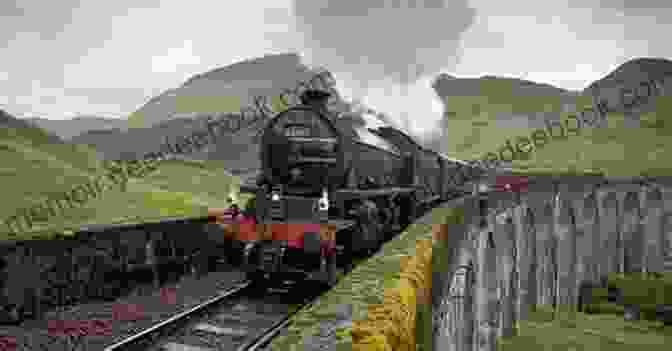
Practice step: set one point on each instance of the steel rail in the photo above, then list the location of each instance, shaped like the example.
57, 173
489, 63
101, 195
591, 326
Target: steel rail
177, 318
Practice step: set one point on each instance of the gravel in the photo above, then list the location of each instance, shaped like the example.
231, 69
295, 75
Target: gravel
123, 317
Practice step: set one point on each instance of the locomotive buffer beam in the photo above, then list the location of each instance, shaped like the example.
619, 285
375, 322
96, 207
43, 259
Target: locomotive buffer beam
339, 224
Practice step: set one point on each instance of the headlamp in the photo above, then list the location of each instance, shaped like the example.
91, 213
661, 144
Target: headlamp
323, 203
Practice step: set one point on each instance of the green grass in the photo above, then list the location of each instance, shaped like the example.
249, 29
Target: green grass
587, 332
639, 289
35, 169
615, 150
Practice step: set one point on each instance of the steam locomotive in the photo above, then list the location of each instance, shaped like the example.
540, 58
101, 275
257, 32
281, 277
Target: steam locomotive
330, 188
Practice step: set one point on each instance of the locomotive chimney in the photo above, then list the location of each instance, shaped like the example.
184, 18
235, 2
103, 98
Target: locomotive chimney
318, 100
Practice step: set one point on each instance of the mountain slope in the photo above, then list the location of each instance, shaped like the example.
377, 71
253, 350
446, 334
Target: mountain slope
37, 166
630, 79
68, 128
225, 89
181, 111
617, 148
481, 113
30, 156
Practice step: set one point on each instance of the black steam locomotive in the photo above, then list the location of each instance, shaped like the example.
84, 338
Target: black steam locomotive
331, 187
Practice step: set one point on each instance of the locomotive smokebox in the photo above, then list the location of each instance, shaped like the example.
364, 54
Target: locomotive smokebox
301, 149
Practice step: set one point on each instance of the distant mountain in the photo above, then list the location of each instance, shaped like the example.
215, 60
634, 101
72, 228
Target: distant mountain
68, 128
25, 129
467, 97
447, 85
627, 79
639, 70
226, 89
506, 102
181, 111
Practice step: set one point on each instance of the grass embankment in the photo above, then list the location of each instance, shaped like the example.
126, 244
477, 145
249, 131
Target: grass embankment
176, 188
603, 325
587, 332
617, 150
369, 285
35, 169
644, 290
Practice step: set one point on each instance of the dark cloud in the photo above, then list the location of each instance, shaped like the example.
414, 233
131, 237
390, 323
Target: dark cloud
47, 18
635, 5
626, 7
50, 19
381, 39
11, 9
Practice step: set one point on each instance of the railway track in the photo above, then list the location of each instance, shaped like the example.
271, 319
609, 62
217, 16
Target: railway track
243, 318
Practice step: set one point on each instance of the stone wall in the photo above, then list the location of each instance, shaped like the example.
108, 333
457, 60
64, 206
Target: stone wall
535, 247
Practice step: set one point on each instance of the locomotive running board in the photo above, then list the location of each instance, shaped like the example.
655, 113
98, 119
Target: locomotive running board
347, 194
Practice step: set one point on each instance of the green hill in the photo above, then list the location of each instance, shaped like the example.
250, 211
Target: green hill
176, 188
497, 110
38, 166
35, 163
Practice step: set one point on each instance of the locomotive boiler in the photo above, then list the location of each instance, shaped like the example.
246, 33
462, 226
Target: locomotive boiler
330, 187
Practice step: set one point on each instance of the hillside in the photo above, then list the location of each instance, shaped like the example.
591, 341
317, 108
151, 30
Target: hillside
225, 89
478, 110
628, 79
38, 166
482, 124
29, 156
180, 111
68, 128
165, 192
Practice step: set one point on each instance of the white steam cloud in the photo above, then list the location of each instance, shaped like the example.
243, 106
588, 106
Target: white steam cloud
385, 52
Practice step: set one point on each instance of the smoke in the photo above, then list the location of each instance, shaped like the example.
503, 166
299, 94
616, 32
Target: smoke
384, 53
376, 39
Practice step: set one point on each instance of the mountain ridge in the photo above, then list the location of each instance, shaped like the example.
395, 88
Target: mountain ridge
66, 129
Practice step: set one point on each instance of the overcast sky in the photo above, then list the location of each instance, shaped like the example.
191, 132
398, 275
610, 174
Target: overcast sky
69, 57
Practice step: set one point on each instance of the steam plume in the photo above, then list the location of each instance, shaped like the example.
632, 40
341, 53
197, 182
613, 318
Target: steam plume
384, 52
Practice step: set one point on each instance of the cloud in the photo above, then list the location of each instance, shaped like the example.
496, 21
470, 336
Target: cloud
111, 57
21, 16
175, 58
375, 40
634, 6
385, 52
